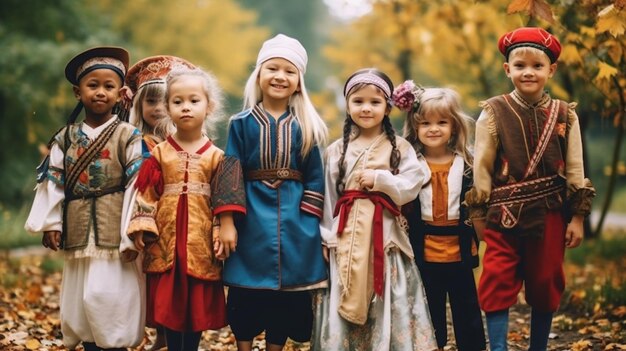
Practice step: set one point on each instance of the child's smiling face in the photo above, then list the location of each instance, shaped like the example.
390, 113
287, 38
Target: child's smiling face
529, 70
99, 90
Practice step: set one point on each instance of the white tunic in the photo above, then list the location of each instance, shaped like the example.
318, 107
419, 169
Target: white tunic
348, 315
102, 297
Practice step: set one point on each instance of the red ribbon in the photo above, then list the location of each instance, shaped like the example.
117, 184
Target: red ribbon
381, 201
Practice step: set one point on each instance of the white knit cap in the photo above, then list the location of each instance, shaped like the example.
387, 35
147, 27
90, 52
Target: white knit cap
285, 47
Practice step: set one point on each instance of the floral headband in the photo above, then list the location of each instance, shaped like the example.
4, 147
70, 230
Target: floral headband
407, 96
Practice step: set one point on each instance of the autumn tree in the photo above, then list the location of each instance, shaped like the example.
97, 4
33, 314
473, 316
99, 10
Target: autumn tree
37, 39
453, 43
221, 36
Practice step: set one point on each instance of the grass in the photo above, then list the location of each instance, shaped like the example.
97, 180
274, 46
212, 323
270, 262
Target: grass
619, 201
612, 249
52, 264
596, 275
12, 232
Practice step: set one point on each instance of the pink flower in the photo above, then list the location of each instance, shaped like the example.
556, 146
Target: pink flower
405, 96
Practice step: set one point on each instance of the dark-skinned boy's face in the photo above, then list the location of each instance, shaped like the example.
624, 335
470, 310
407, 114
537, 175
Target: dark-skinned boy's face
99, 90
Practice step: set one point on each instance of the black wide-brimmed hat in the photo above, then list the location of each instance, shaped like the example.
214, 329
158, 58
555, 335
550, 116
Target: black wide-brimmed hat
109, 57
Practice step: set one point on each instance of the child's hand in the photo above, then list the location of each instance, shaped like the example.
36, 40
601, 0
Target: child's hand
479, 228
138, 240
126, 96
366, 178
574, 232
228, 240
51, 239
325, 253
129, 255
227, 235
218, 248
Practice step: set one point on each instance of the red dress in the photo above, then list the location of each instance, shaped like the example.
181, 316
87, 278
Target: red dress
185, 292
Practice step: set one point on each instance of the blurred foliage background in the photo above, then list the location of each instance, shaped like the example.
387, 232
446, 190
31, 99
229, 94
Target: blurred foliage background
436, 43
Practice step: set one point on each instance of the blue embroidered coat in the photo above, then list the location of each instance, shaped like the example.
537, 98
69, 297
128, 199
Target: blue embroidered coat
279, 243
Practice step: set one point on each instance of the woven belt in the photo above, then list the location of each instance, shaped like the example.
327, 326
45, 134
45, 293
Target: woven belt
93, 194
187, 188
277, 173
526, 191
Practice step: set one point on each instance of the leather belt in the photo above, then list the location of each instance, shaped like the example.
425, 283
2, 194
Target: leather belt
526, 191
276, 173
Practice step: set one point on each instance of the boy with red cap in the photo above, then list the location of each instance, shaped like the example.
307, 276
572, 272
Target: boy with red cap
84, 188
530, 193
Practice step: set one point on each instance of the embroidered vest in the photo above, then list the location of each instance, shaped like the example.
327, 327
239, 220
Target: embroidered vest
526, 197
97, 198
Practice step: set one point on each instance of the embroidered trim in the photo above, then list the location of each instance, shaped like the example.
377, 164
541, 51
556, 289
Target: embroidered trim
313, 203
283, 140
542, 103
544, 140
88, 156
368, 78
526, 191
187, 188
521, 124
56, 175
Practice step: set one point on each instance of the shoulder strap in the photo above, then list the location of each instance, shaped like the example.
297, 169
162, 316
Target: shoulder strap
544, 139
88, 156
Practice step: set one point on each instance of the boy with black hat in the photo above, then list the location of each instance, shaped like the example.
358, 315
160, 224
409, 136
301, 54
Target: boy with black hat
530, 193
83, 188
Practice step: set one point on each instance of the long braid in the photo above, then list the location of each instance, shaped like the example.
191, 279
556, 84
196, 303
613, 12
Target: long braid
347, 129
394, 158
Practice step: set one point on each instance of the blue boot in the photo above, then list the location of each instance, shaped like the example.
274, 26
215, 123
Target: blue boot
540, 324
497, 329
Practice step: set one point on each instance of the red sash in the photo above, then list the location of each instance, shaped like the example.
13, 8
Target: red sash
381, 201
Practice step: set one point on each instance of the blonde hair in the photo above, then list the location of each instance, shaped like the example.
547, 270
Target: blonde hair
212, 90
527, 50
155, 90
314, 130
445, 102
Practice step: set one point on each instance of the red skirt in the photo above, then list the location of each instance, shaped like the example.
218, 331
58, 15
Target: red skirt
179, 301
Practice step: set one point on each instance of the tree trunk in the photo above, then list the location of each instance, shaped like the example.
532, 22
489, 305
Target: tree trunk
616, 151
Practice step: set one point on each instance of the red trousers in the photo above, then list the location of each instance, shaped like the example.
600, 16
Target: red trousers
511, 260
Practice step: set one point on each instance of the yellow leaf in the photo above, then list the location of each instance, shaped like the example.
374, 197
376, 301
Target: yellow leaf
518, 6
605, 71
33, 294
570, 55
612, 20
588, 31
582, 345
542, 10
615, 51
33, 344
534, 8
578, 296
619, 311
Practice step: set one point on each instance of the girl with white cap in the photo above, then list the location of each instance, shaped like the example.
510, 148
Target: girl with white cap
274, 251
